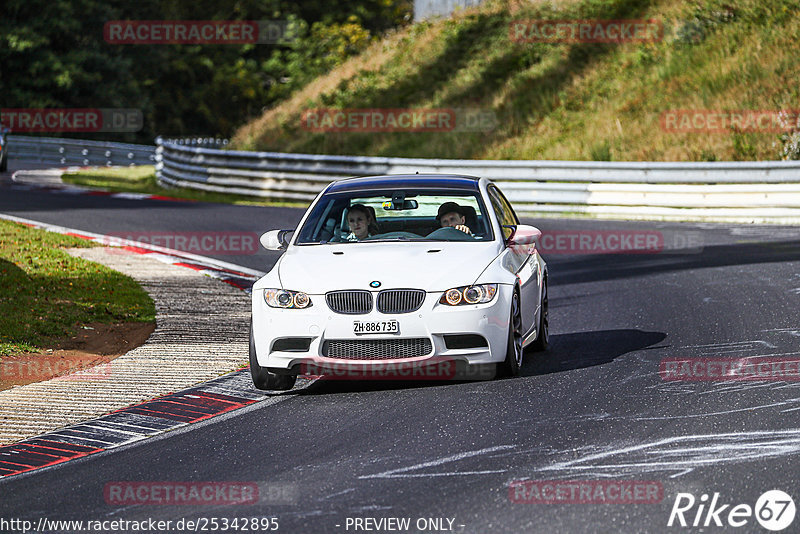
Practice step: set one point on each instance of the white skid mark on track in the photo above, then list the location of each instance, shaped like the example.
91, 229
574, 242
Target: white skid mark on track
402, 472
338, 493
370, 508
735, 346
735, 387
683, 454
710, 414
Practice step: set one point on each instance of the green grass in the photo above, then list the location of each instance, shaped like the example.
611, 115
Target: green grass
583, 101
46, 294
142, 179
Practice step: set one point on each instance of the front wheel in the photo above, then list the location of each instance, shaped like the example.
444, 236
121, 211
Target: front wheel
543, 335
513, 362
262, 378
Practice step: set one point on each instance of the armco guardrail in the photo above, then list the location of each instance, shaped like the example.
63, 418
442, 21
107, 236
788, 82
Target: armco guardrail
60, 151
766, 191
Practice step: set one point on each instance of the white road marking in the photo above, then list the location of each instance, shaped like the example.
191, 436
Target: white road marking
683, 416
400, 472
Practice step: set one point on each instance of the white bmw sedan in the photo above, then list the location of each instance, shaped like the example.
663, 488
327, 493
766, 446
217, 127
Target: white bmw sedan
391, 276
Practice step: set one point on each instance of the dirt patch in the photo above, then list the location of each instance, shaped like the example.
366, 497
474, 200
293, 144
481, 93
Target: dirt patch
92, 349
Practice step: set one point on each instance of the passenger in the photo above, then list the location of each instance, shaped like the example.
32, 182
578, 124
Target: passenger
452, 215
361, 222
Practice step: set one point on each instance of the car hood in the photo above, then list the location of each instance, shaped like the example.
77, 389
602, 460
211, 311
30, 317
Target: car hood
433, 266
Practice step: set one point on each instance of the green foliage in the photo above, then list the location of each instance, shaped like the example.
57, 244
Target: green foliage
53, 54
743, 147
789, 146
707, 155
313, 52
705, 18
601, 152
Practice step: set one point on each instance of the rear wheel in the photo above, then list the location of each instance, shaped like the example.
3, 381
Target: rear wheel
513, 362
262, 378
543, 335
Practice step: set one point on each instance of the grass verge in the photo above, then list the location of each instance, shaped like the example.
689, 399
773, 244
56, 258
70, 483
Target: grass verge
142, 179
46, 294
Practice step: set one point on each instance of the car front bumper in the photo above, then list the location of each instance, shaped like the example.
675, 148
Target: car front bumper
297, 341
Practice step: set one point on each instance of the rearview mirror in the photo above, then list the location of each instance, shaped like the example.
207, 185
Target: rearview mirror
276, 239
407, 205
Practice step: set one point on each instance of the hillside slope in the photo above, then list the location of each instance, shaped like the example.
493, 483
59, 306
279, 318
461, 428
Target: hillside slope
574, 101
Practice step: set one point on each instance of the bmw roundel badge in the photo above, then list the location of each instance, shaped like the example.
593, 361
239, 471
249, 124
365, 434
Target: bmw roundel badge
375, 283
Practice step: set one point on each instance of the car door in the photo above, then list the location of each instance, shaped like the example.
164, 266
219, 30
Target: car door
521, 260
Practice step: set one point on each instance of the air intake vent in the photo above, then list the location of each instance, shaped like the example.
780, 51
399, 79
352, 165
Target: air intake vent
400, 300
351, 302
376, 349
292, 344
464, 341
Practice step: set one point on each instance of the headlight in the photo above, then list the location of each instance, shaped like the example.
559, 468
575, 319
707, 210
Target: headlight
459, 296
282, 298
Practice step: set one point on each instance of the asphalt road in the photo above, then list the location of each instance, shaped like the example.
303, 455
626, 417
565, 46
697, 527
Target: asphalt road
592, 408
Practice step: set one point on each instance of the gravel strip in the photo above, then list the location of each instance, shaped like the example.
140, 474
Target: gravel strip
201, 333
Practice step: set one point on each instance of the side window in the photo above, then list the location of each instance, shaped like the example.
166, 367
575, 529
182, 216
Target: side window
507, 205
505, 214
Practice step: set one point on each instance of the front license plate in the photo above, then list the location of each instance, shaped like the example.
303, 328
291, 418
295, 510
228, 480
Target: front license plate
391, 326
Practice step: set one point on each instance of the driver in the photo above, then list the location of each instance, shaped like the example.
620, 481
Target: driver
452, 215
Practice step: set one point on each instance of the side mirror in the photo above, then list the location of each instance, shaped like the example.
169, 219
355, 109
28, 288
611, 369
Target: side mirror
524, 235
276, 239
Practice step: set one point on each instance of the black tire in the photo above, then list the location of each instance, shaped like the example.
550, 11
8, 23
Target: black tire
513, 362
4, 164
543, 335
262, 378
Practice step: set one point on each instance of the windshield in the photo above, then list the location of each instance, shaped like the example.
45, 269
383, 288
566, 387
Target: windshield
397, 215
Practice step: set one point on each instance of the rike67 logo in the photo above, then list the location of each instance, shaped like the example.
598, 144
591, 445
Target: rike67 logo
774, 510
